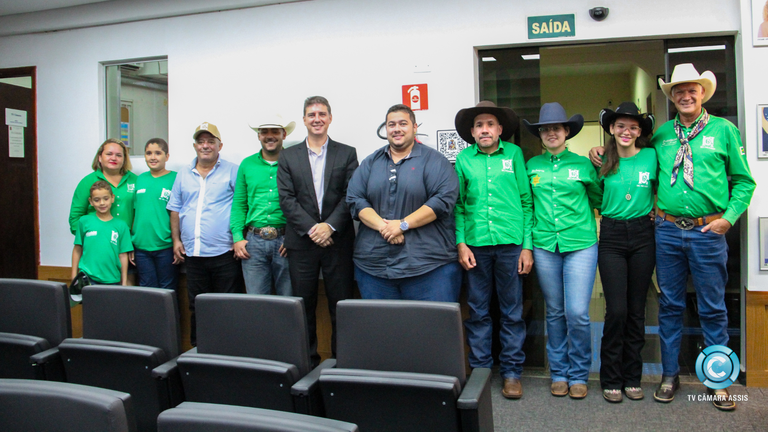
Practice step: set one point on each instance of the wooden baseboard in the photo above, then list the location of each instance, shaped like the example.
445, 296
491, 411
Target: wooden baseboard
757, 334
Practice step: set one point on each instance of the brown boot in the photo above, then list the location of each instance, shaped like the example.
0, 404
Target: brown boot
513, 388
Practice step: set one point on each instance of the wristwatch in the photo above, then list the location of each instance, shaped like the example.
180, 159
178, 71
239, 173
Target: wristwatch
403, 225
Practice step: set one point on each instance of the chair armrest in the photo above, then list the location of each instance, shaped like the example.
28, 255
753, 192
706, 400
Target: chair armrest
165, 370
306, 385
474, 403
48, 365
45, 357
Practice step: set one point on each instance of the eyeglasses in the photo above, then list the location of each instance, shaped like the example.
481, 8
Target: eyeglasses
548, 129
619, 127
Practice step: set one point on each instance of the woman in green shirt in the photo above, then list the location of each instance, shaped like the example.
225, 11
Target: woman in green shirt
627, 251
565, 190
113, 165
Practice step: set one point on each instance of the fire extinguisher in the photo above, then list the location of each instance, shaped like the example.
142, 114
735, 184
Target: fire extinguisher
415, 97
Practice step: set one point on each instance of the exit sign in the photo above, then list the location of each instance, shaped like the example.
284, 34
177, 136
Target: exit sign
551, 26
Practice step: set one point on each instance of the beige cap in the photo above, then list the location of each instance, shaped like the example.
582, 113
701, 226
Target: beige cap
207, 127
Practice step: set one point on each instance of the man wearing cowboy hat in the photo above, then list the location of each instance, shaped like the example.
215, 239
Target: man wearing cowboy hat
312, 179
200, 206
257, 222
493, 234
697, 153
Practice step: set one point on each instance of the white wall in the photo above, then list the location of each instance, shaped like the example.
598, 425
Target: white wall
226, 66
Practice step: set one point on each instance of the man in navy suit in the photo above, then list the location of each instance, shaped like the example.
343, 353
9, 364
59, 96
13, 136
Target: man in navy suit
312, 180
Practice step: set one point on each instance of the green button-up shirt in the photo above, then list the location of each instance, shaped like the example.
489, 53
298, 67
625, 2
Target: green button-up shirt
718, 153
565, 190
255, 202
494, 205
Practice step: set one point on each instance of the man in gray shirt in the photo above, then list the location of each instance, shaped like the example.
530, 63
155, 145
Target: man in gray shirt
404, 194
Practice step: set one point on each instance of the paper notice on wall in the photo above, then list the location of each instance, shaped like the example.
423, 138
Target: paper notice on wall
15, 141
14, 117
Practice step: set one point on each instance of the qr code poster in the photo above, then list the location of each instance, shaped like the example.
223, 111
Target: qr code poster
449, 143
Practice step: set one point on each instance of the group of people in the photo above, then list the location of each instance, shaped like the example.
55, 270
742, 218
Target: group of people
275, 221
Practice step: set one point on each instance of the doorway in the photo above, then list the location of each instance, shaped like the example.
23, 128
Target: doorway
586, 79
20, 254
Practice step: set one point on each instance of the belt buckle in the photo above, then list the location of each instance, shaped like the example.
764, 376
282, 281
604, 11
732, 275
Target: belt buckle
268, 233
684, 223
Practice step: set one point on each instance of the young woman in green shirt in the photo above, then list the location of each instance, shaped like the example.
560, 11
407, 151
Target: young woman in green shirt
627, 249
565, 190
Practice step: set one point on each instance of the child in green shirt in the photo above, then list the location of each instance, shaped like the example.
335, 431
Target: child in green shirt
153, 254
102, 242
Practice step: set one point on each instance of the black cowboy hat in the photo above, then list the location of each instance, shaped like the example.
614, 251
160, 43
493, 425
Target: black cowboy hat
465, 119
554, 113
627, 109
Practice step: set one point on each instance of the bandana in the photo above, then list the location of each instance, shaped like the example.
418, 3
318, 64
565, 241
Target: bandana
684, 155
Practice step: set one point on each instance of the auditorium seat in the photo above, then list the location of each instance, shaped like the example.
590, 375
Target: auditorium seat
400, 366
252, 350
203, 417
34, 316
130, 338
30, 405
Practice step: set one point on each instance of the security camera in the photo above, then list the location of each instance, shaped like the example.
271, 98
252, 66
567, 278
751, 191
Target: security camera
598, 13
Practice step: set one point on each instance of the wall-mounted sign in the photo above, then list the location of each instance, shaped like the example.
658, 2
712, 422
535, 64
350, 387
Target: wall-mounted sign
551, 26
415, 96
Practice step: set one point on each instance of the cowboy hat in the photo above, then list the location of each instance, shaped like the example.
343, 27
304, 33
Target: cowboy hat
685, 73
627, 109
553, 113
465, 119
274, 121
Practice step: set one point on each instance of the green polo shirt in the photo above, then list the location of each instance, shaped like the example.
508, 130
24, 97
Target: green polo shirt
152, 222
494, 205
102, 243
122, 208
256, 202
565, 190
636, 177
718, 153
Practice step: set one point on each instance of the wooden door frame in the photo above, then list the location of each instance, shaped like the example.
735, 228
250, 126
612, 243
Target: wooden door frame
31, 71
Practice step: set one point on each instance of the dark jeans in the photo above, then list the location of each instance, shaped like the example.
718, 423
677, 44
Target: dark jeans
338, 275
441, 284
626, 256
156, 268
496, 264
217, 274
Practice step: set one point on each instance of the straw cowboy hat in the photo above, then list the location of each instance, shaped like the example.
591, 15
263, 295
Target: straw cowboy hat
465, 119
685, 73
274, 121
553, 113
627, 109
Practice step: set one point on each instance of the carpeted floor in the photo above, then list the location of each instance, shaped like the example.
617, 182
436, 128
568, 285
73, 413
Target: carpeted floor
538, 410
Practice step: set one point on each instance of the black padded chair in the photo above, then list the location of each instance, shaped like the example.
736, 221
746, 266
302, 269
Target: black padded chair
400, 366
130, 338
202, 417
29, 405
252, 350
34, 316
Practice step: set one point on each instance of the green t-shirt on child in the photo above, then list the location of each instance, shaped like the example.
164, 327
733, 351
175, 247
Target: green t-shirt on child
152, 222
102, 243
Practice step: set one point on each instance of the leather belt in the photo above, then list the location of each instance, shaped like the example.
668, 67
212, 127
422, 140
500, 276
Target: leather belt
688, 223
267, 233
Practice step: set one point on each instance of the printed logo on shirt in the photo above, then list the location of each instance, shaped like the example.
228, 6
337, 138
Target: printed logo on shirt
91, 233
708, 143
669, 142
644, 178
741, 149
573, 174
507, 165
115, 235
131, 187
140, 191
535, 180
537, 170
165, 195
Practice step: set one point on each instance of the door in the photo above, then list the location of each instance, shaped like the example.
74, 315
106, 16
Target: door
19, 254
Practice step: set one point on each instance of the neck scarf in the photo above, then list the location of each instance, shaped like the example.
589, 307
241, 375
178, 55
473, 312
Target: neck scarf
684, 155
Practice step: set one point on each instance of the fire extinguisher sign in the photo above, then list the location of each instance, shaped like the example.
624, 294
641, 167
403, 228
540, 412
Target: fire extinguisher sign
415, 96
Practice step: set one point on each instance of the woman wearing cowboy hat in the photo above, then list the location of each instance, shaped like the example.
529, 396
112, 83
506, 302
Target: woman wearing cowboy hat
627, 250
565, 189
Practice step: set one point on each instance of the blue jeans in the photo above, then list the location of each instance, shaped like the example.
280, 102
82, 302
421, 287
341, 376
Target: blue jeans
441, 284
265, 267
704, 255
156, 268
566, 280
496, 264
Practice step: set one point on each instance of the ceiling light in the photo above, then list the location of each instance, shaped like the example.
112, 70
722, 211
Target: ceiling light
488, 59
696, 48
530, 56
